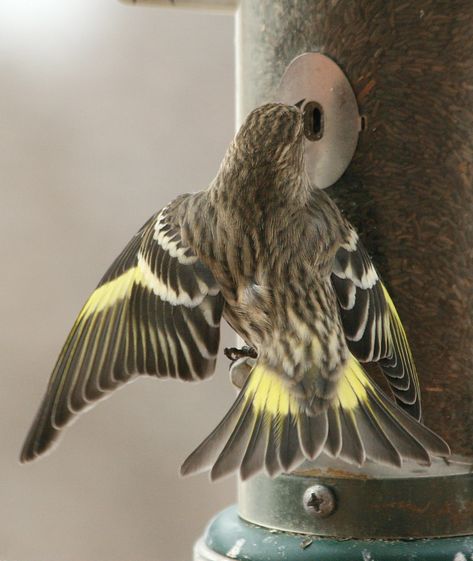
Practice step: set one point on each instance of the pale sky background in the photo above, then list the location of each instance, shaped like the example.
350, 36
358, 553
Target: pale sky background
107, 112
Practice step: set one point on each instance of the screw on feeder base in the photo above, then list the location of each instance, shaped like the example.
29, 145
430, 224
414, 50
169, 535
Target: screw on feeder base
319, 501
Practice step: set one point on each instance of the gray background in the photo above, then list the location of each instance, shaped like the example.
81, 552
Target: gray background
106, 113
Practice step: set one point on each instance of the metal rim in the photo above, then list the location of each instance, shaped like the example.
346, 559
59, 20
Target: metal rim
411, 505
230, 537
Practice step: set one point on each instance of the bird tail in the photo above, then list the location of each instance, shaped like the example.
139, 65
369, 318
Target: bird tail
270, 427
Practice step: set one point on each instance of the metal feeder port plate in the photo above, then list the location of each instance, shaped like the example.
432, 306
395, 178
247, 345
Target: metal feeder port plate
331, 119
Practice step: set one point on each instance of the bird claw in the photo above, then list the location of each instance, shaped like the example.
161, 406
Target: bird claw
234, 353
242, 362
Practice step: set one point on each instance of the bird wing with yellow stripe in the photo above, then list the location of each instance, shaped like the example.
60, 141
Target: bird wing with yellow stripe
269, 427
156, 311
372, 326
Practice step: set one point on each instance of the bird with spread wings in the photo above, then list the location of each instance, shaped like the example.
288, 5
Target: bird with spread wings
274, 257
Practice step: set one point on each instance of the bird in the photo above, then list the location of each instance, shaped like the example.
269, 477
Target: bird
272, 255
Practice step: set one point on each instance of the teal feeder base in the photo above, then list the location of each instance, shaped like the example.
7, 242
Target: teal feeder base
230, 537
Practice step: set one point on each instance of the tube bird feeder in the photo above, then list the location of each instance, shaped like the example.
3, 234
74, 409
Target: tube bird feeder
409, 191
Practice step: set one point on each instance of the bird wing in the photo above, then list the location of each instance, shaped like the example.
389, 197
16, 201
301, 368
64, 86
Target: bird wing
372, 326
156, 311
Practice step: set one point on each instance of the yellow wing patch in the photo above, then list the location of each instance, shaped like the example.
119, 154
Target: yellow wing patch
110, 293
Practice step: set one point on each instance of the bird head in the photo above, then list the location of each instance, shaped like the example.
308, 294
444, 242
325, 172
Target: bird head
272, 134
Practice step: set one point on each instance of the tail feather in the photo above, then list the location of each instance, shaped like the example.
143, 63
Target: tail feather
403, 440
412, 440
333, 443
391, 426
271, 461
289, 448
207, 453
231, 457
313, 434
271, 428
378, 446
255, 453
353, 450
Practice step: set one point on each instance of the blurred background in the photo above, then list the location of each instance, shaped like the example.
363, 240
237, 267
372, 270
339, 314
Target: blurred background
106, 113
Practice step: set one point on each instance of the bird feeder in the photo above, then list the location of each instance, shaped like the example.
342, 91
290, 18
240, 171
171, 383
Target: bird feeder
391, 138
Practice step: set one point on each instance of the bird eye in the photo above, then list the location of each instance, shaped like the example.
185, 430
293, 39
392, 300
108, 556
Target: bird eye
313, 121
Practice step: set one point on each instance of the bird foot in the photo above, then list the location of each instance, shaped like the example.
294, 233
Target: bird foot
234, 353
242, 363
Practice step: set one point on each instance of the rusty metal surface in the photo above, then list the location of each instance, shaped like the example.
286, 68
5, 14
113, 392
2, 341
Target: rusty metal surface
409, 188
414, 503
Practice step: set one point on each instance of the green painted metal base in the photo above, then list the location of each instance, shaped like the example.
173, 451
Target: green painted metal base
230, 537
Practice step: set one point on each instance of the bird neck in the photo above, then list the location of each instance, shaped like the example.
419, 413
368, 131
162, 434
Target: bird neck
247, 182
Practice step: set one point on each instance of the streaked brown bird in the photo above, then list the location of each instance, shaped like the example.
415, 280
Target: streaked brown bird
275, 257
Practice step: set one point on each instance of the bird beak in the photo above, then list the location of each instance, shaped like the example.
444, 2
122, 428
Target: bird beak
299, 103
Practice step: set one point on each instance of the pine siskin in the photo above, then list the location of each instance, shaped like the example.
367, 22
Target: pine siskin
280, 263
